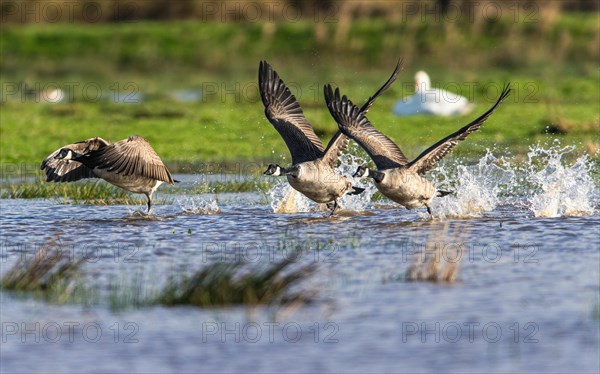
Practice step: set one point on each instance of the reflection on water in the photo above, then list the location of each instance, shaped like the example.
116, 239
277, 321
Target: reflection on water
524, 299
524, 296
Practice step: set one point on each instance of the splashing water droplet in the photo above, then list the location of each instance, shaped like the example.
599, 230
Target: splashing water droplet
196, 205
285, 199
476, 187
543, 184
358, 203
559, 190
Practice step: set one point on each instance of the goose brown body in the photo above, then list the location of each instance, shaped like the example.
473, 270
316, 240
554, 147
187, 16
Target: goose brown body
131, 164
313, 167
396, 177
406, 187
319, 182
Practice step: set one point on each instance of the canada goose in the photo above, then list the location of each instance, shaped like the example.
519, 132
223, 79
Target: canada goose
395, 177
435, 101
312, 172
131, 164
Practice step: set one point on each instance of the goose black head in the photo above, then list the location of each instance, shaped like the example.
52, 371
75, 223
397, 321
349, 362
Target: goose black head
362, 171
273, 170
65, 154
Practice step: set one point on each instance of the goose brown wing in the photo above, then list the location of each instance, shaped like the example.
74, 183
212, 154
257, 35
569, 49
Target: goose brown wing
336, 146
285, 114
131, 156
366, 106
339, 142
59, 170
430, 157
354, 124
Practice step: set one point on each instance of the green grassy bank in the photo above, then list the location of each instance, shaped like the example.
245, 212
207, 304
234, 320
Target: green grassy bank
551, 66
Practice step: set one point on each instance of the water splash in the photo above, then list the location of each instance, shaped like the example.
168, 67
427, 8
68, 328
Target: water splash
559, 190
543, 183
285, 199
196, 205
476, 188
141, 214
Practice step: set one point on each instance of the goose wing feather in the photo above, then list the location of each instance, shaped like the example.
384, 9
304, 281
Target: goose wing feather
59, 170
339, 142
285, 114
131, 156
431, 156
354, 124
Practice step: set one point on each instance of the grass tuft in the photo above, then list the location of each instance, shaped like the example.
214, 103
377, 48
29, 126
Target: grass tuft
258, 184
439, 262
50, 274
231, 283
55, 277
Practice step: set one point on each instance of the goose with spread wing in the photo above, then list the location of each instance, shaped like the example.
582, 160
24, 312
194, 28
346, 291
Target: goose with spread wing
131, 164
396, 177
312, 172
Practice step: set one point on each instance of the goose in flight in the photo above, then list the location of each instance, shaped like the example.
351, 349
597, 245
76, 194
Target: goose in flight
131, 164
435, 101
312, 172
396, 177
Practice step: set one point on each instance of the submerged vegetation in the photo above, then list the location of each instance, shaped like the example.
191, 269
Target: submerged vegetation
50, 274
56, 277
232, 283
440, 259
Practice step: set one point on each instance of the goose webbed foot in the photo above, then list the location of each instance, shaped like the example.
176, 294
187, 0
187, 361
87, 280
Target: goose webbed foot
428, 209
441, 193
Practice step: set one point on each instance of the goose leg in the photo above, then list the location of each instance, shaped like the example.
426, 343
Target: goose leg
335, 205
149, 196
429, 209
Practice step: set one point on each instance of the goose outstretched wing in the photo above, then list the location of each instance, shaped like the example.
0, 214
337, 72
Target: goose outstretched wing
354, 124
59, 170
339, 142
285, 114
131, 156
430, 157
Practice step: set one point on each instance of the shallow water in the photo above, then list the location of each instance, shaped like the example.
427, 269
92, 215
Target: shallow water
526, 297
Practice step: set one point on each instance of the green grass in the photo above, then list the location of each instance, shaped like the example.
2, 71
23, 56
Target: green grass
85, 192
259, 184
555, 84
82, 191
232, 283
97, 192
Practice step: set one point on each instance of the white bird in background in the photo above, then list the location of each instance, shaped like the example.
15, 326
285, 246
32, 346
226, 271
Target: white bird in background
54, 95
45, 95
434, 101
